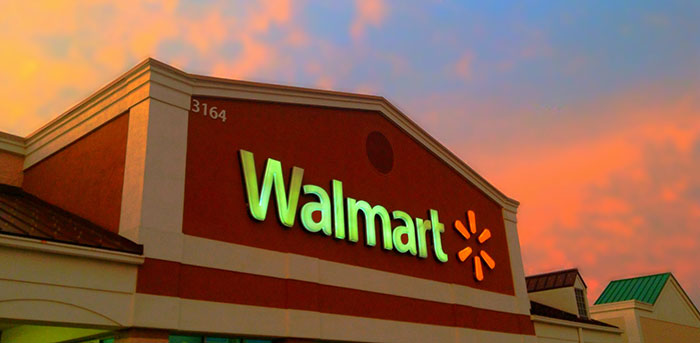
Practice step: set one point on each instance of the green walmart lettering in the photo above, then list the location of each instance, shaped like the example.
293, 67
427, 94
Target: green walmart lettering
405, 238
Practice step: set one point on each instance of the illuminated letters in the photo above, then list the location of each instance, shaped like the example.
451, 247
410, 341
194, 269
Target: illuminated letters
416, 236
370, 212
323, 206
338, 210
286, 208
438, 228
408, 229
422, 226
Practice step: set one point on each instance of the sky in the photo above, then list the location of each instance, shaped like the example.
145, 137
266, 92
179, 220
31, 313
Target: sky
586, 112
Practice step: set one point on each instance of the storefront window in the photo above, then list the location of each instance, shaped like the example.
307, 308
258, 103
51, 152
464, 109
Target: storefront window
220, 340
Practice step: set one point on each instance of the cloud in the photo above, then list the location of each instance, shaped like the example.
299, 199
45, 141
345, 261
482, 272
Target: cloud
254, 56
590, 170
653, 230
463, 67
94, 41
608, 184
51, 70
368, 13
616, 201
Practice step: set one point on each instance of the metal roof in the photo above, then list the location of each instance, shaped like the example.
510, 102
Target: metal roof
25, 215
644, 288
557, 279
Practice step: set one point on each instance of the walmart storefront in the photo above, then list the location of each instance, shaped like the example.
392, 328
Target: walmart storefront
171, 207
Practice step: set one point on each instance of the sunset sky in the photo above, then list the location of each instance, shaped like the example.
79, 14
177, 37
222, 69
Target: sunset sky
588, 113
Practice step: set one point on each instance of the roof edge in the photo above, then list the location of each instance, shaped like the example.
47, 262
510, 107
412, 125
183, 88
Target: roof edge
34, 244
96, 94
556, 321
621, 305
498, 195
391, 111
571, 319
12, 143
553, 272
559, 272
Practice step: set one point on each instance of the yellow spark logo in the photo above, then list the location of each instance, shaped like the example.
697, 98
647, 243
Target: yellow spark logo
466, 252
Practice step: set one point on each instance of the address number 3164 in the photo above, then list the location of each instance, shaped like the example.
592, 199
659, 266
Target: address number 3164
210, 111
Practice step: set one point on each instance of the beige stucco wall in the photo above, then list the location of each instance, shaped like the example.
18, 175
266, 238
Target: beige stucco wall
673, 318
555, 333
672, 306
235, 319
624, 315
658, 331
594, 336
670, 319
559, 331
621, 323
55, 287
561, 298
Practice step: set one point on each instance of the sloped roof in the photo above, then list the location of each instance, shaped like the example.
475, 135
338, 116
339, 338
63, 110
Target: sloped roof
644, 288
552, 280
551, 312
24, 215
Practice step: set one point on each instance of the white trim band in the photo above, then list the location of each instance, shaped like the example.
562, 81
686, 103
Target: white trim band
36, 244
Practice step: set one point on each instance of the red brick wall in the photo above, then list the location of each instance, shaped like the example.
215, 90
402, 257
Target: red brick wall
11, 168
87, 176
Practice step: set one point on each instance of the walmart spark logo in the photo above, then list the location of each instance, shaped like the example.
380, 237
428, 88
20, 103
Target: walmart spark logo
466, 252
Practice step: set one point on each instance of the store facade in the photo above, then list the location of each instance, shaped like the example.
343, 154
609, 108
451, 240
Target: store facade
263, 212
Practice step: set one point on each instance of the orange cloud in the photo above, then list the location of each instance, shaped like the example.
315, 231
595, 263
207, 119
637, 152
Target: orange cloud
254, 56
369, 12
607, 180
94, 41
615, 204
65, 59
206, 32
610, 185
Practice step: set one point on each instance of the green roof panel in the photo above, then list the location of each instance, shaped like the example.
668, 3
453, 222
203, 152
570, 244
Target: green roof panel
644, 288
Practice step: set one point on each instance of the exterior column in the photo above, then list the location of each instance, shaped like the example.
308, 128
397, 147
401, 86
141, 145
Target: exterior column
580, 335
142, 336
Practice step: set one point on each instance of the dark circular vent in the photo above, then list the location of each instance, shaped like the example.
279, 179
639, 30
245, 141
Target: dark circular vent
379, 152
